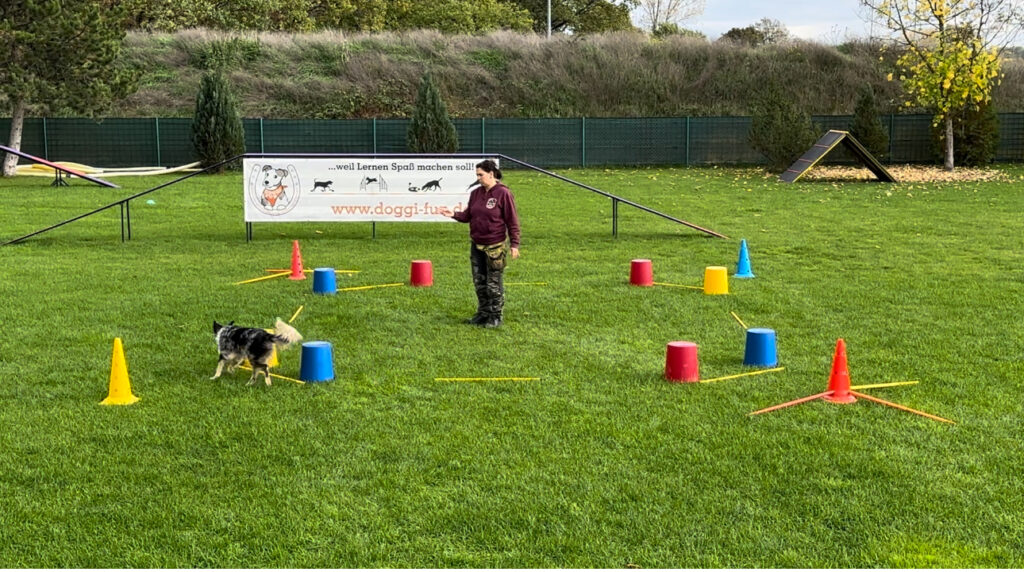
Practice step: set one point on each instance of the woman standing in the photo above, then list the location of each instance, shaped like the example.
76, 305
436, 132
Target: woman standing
491, 214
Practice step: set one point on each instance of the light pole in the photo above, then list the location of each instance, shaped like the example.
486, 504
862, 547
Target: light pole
549, 19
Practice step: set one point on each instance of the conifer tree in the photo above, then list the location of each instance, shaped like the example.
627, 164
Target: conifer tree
779, 129
431, 130
866, 128
217, 132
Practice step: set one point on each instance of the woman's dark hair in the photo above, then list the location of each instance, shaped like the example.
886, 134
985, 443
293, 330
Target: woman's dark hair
488, 166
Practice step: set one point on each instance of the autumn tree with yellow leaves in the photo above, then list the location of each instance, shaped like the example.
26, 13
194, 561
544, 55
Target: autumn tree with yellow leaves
950, 52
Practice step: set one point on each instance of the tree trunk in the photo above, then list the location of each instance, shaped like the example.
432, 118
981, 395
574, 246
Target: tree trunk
949, 142
17, 126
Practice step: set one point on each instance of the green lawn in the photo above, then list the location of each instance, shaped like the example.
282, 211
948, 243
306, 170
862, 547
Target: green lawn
601, 463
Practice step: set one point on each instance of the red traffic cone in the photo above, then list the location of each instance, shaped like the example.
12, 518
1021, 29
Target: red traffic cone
839, 380
297, 273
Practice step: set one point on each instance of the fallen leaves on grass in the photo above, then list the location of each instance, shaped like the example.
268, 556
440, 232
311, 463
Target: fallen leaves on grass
906, 174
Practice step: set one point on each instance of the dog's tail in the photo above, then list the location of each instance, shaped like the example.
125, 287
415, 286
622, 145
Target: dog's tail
284, 334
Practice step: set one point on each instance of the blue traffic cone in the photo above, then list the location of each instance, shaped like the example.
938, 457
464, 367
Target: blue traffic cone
743, 269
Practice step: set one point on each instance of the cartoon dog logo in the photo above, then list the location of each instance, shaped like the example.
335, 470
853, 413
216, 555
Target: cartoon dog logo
274, 190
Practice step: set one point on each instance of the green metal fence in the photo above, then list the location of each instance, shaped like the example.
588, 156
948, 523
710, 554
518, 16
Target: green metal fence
546, 142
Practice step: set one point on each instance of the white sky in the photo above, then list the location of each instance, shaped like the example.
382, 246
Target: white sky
827, 21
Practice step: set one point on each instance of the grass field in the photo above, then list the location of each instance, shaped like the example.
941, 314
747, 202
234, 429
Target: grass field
601, 463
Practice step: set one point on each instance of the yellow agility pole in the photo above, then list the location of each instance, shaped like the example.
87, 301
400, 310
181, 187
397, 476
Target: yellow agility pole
877, 385
677, 285
368, 287
759, 372
486, 379
298, 381
296, 314
738, 320
262, 278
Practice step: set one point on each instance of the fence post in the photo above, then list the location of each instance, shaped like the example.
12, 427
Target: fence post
374, 135
891, 159
46, 141
686, 143
156, 124
262, 148
583, 144
483, 136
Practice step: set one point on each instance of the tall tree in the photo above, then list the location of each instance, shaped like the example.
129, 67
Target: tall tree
217, 132
60, 56
431, 130
656, 13
580, 16
866, 127
951, 52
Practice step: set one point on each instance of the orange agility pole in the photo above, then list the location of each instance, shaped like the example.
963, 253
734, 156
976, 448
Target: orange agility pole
839, 389
902, 407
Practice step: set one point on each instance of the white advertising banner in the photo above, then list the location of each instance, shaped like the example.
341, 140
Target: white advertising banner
350, 190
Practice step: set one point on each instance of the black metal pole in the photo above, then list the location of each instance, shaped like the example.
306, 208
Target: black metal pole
128, 211
615, 218
122, 222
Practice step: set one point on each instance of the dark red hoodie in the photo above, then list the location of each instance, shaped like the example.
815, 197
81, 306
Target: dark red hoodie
489, 214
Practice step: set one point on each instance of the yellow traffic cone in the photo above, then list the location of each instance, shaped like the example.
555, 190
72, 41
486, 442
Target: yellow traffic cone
120, 387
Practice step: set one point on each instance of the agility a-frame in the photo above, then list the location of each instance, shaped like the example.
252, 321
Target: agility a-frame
58, 170
828, 142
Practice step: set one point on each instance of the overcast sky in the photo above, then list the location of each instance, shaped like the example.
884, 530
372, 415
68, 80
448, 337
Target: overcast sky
829, 21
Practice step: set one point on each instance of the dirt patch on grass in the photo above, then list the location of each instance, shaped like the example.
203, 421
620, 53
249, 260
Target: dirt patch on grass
906, 174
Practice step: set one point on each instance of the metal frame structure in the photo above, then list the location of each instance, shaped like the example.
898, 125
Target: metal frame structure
125, 203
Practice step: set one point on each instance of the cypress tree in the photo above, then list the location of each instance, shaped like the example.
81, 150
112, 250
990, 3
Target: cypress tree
779, 129
866, 128
217, 132
431, 130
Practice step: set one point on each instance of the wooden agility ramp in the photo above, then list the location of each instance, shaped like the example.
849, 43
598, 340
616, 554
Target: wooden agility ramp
828, 142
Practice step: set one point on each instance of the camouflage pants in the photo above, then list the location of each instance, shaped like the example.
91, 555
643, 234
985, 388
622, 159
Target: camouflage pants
489, 284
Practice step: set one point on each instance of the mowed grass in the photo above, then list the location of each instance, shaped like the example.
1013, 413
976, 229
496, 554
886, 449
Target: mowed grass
600, 463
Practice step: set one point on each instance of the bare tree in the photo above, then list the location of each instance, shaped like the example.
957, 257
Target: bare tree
658, 12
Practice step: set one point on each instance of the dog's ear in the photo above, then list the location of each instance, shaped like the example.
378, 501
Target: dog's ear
231, 323
216, 327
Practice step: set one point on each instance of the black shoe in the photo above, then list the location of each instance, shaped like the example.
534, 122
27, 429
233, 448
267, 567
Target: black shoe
477, 320
492, 323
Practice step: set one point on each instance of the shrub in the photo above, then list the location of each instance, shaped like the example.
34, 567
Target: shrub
217, 132
431, 130
975, 136
779, 129
866, 127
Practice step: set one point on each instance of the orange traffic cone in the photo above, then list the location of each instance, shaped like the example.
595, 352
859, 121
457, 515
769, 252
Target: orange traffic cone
839, 380
120, 386
297, 273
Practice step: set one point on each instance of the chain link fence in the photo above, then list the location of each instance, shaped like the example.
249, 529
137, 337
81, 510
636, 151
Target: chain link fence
581, 142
